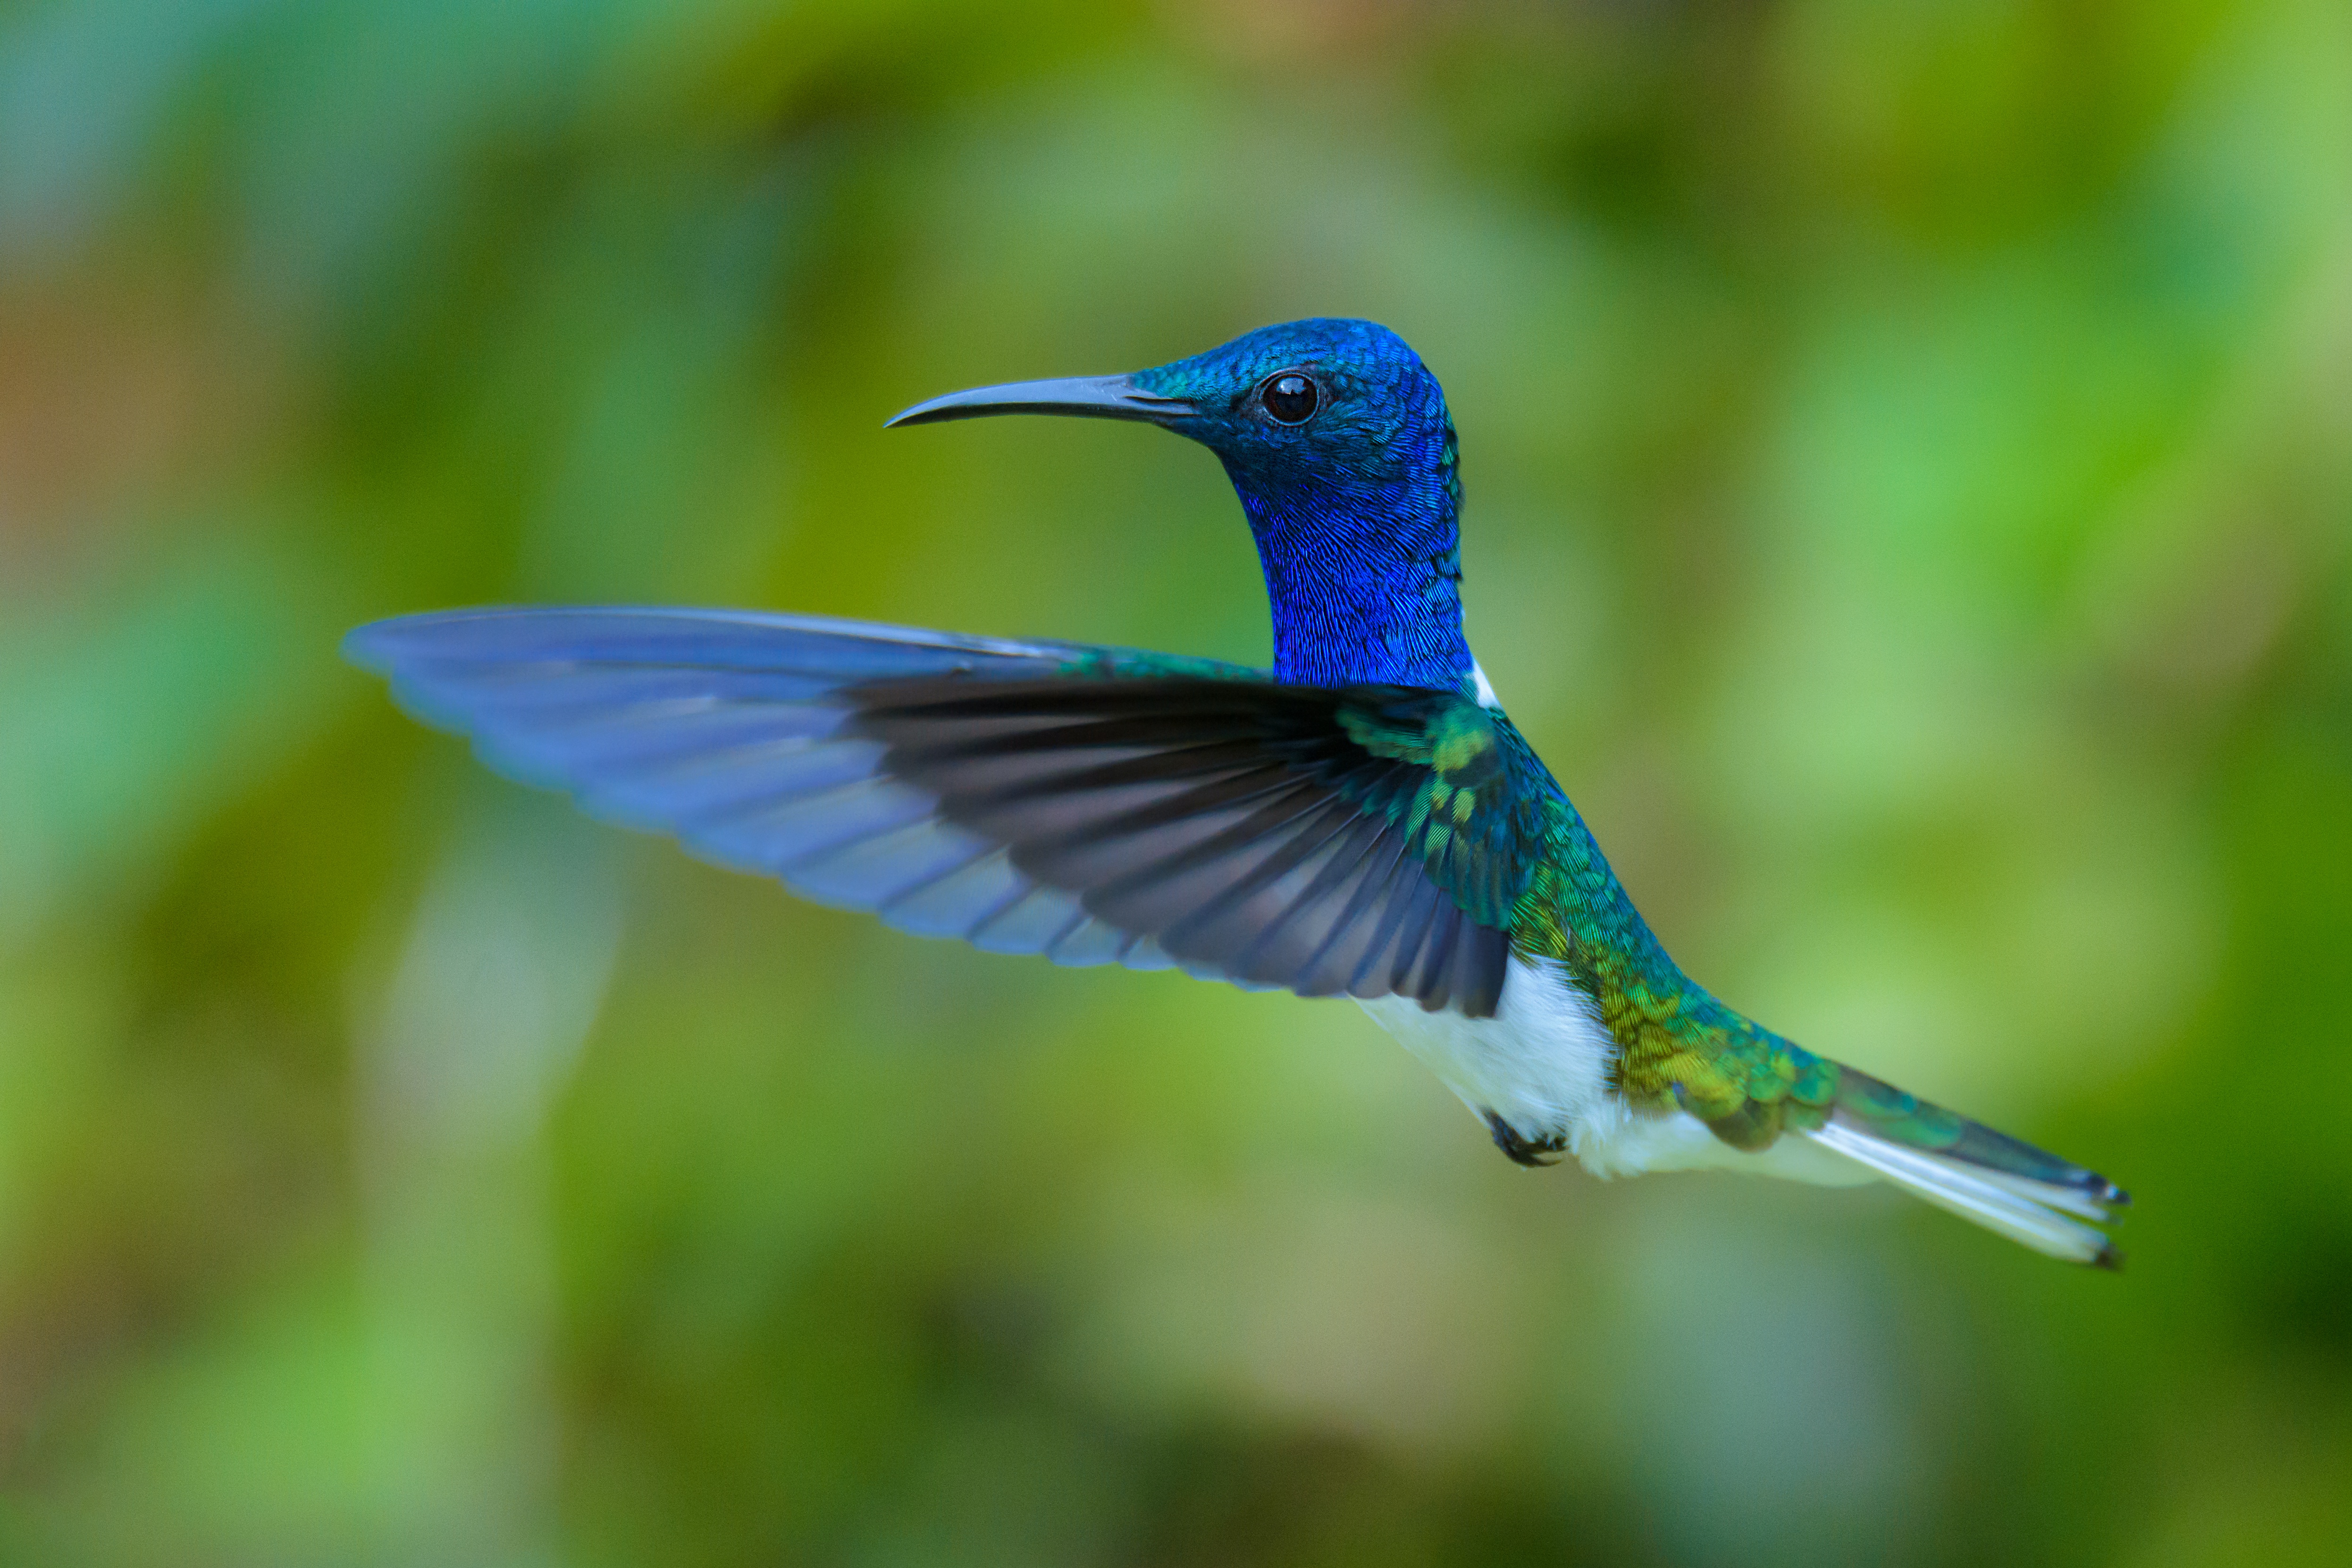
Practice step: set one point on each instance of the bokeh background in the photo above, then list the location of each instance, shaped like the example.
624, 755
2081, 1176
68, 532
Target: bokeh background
1910, 458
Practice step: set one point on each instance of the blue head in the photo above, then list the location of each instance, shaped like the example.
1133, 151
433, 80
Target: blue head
1337, 439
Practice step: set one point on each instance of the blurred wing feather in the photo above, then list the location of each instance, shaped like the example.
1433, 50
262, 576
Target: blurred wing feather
1089, 804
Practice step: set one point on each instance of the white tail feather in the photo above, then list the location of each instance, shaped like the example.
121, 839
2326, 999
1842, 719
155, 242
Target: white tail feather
2021, 1209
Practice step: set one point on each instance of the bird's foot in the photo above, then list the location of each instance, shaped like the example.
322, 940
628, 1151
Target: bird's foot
1525, 1150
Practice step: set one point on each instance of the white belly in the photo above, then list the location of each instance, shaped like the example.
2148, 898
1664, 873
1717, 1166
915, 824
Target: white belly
1543, 1064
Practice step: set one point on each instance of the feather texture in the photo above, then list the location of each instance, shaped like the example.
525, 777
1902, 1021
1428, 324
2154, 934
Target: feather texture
1092, 805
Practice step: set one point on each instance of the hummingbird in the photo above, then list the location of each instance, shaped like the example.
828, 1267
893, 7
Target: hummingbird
1362, 819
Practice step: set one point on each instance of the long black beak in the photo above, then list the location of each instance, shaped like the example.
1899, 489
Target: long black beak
1094, 397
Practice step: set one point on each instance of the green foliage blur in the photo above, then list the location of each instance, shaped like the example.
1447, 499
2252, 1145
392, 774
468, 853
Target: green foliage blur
1909, 458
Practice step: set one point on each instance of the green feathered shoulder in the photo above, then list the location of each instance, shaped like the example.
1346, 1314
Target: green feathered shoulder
1473, 810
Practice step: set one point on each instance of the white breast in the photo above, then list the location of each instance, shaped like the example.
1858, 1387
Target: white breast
1541, 1063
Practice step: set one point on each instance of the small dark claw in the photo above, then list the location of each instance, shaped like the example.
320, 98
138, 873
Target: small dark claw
1528, 1152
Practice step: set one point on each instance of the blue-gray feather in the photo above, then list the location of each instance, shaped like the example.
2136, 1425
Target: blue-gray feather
1026, 797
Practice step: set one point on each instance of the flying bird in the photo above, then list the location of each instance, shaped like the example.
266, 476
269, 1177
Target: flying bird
1362, 820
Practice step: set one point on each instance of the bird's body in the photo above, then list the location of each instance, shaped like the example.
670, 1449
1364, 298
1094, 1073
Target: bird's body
1362, 820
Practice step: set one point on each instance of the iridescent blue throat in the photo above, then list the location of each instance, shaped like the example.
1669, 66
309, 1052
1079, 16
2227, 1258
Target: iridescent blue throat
1365, 585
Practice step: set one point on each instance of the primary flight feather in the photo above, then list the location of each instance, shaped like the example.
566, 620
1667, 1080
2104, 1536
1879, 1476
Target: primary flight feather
1361, 820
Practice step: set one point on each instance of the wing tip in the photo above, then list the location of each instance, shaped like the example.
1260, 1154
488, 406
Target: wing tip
379, 646
365, 646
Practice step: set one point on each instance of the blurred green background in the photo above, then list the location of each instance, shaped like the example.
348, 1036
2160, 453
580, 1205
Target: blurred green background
1909, 459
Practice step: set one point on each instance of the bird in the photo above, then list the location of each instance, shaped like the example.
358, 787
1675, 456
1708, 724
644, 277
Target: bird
1362, 819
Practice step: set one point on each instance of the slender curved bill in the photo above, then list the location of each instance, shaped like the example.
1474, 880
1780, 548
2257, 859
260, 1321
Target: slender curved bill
1092, 397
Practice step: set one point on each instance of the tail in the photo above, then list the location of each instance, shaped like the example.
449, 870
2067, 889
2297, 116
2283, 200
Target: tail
2002, 1184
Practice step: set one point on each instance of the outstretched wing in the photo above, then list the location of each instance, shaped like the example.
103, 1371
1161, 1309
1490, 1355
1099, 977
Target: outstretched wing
1094, 805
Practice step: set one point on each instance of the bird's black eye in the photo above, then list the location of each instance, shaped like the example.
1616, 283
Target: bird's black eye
1290, 398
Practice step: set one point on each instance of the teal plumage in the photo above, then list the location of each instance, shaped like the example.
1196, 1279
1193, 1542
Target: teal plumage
1363, 820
